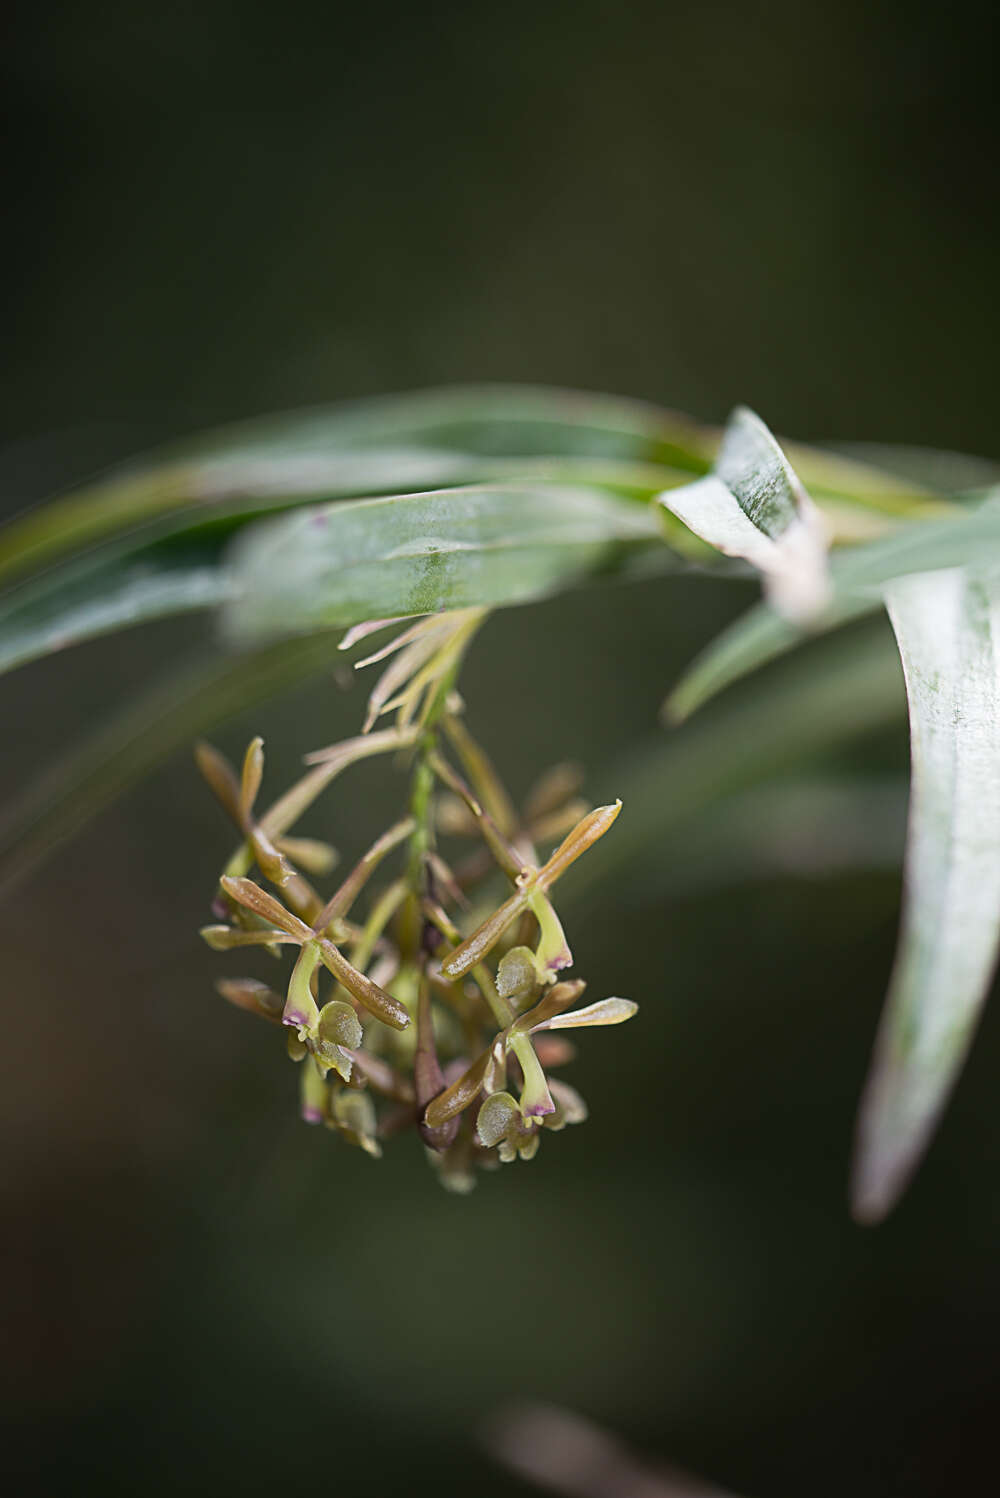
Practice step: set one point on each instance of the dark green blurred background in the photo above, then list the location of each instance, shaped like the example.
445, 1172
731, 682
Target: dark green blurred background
215, 210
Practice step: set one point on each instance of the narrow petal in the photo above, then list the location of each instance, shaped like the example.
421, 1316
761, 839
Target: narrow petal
404, 669
384, 1007
558, 998
482, 941
252, 897
329, 764
255, 997
456, 1098
604, 1012
309, 853
480, 769
586, 832
340, 903
253, 774
369, 627
226, 938
221, 777
405, 637
503, 854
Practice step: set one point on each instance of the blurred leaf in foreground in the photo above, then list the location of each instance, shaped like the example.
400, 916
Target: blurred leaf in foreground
147, 539
947, 624
389, 445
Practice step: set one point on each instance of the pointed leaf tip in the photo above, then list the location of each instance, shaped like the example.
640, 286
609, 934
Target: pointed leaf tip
754, 506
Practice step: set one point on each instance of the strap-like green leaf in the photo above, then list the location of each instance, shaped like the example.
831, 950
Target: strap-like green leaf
116, 587
390, 445
947, 624
146, 540
174, 564
419, 553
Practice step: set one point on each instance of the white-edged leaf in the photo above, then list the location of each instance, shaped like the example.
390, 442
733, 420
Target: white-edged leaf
146, 540
753, 506
111, 590
419, 440
858, 577
947, 624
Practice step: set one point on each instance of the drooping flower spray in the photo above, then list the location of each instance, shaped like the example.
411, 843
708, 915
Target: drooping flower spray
415, 1001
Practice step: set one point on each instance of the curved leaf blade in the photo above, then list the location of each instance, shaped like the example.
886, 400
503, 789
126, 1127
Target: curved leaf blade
947, 625
541, 422
145, 540
754, 506
858, 577
491, 421
418, 441
389, 445
93, 596
174, 565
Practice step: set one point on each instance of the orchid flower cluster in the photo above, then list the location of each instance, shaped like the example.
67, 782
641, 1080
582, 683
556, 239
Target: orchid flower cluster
433, 1007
